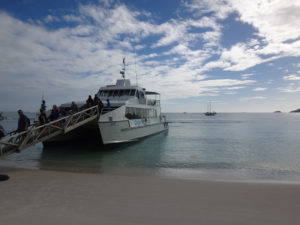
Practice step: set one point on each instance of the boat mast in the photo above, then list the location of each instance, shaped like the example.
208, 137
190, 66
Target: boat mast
123, 69
209, 107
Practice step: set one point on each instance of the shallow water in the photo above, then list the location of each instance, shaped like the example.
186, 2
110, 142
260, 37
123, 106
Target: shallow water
239, 147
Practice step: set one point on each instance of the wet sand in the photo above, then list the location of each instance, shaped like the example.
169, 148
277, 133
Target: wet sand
50, 197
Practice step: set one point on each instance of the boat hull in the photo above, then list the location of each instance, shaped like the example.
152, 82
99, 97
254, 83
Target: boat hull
107, 133
116, 132
88, 133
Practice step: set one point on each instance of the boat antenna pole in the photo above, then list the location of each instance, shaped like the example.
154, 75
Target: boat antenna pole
136, 76
123, 69
42, 97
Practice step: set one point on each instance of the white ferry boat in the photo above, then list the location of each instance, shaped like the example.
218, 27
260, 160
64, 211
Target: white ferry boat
130, 113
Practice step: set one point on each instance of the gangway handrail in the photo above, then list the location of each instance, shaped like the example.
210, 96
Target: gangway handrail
19, 141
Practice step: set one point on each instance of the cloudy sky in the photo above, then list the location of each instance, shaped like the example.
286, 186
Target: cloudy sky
243, 55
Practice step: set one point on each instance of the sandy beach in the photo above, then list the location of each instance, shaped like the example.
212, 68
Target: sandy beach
51, 197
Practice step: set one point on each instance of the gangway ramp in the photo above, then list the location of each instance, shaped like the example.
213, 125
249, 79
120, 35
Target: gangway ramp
19, 141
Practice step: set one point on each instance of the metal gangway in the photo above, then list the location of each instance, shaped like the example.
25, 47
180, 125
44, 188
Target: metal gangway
18, 141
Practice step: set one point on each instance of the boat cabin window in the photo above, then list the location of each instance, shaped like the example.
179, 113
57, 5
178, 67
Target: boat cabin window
116, 93
126, 92
132, 92
140, 113
110, 93
103, 93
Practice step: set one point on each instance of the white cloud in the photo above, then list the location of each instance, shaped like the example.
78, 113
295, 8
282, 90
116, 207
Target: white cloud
72, 18
259, 89
106, 3
289, 89
277, 21
50, 19
220, 8
253, 98
235, 88
277, 25
224, 82
246, 75
291, 77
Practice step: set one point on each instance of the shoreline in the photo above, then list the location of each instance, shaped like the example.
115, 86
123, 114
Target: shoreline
56, 197
217, 175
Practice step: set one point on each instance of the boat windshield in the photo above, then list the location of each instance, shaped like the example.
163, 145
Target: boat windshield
117, 93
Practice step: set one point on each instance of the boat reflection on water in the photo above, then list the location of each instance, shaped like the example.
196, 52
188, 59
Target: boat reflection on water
130, 158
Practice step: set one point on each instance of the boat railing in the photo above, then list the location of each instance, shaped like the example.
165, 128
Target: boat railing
142, 101
16, 142
153, 102
105, 110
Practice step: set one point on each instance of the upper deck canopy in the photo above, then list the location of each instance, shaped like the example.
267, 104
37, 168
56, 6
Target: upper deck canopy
151, 93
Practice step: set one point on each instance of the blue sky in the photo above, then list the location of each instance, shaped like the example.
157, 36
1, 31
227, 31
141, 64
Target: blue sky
244, 56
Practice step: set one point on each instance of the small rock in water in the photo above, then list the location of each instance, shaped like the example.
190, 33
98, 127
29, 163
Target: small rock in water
3, 177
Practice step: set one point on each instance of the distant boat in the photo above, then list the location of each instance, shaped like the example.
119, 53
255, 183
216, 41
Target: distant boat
209, 112
184, 112
277, 111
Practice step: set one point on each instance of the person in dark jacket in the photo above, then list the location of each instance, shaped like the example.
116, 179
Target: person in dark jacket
23, 122
96, 100
89, 102
100, 104
74, 107
54, 113
107, 103
2, 132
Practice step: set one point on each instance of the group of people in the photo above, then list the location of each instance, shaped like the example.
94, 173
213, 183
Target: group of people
43, 119
93, 102
24, 121
55, 113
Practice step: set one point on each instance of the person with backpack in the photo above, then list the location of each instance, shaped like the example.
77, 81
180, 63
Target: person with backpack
2, 132
23, 122
42, 117
43, 105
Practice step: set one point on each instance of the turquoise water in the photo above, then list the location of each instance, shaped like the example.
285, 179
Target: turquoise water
239, 146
